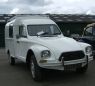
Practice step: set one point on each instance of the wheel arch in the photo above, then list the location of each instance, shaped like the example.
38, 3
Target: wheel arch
28, 56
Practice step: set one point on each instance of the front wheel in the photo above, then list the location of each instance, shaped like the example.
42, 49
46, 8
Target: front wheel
35, 69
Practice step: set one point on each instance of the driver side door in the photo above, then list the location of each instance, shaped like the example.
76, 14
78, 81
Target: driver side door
21, 38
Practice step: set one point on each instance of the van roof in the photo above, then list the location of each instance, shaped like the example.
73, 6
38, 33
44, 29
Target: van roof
35, 19
29, 16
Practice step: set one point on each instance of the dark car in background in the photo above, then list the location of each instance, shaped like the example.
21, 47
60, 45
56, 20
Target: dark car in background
88, 36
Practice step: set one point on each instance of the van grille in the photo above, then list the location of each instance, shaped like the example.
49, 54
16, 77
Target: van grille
72, 55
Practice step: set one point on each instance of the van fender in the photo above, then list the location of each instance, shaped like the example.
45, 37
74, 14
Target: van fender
37, 49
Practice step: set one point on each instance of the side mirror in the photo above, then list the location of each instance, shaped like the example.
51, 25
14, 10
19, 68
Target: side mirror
17, 36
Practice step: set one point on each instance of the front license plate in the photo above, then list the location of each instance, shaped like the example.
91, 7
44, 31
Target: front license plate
72, 66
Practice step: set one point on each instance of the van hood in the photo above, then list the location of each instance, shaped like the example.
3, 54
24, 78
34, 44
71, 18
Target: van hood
60, 44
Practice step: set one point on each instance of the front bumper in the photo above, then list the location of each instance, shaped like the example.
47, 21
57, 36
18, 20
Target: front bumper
58, 65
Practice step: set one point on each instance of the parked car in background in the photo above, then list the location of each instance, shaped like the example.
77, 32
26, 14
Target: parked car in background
88, 36
38, 41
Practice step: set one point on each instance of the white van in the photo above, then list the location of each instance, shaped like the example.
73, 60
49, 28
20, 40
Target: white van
38, 41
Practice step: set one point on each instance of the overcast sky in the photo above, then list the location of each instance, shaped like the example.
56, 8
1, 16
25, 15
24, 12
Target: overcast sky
47, 6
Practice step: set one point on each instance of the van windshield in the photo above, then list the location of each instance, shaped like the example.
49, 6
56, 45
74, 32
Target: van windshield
43, 30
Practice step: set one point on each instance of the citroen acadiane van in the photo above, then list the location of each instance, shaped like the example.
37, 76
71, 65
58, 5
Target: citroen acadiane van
38, 41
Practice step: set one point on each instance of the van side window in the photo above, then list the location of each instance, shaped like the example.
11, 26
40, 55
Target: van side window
22, 31
11, 31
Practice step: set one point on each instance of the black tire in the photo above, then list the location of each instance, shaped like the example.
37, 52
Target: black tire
35, 69
82, 69
11, 59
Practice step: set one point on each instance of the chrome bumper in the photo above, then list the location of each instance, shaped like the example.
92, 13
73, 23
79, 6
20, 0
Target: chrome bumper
58, 65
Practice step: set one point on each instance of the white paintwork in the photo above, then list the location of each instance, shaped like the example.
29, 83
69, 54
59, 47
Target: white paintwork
56, 45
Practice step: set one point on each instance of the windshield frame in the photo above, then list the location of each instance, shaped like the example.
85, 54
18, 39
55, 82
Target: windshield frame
60, 33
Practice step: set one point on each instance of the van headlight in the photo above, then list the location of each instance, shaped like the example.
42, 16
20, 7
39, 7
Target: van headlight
45, 54
88, 50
